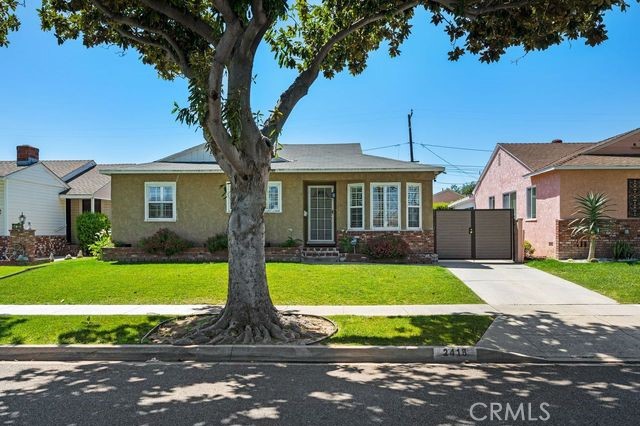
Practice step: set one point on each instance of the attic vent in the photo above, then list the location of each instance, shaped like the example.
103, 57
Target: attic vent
556, 141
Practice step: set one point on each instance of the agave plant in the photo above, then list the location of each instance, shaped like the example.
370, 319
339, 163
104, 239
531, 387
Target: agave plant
592, 219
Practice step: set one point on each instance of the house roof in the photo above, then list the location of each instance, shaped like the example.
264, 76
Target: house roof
292, 158
537, 155
63, 169
91, 182
611, 153
446, 196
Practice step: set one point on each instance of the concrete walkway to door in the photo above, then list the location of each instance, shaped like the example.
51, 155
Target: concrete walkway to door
547, 317
505, 283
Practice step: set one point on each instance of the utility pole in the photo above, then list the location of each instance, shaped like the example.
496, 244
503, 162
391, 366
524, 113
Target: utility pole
410, 136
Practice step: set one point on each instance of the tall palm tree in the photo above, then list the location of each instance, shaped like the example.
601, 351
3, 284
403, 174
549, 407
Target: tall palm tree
592, 219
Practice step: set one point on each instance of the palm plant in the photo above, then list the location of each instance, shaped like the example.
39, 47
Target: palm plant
592, 219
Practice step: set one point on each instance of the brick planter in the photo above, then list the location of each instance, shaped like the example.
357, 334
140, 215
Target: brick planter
193, 255
419, 241
47, 244
568, 247
413, 258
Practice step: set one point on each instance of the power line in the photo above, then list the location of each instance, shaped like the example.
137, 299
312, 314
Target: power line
433, 146
388, 146
445, 160
455, 147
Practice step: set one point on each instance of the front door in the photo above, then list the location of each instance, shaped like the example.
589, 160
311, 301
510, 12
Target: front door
320, 204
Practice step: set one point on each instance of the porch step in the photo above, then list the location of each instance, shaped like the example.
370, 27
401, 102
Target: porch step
320, 254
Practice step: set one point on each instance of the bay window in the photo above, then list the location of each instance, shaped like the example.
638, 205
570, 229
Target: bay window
385, 206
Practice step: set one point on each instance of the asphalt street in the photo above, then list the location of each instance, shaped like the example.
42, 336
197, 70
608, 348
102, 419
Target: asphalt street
156, 393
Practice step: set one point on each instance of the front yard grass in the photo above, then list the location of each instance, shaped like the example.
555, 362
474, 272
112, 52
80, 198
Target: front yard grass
617, 280
8, 270
88, 281
353, 330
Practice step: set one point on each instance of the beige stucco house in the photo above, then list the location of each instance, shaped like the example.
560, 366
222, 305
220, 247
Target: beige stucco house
541, 180
316, 194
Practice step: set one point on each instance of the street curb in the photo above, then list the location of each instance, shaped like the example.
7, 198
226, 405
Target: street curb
248, 353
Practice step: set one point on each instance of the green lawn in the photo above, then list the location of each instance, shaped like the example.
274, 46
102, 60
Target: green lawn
88, 281
617, 280
8, 270
437, 330
410, 331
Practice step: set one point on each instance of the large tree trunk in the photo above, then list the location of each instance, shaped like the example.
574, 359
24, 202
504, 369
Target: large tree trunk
249, 315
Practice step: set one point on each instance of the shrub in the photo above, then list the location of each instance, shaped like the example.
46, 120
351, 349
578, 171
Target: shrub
387, 247
103, 241
291, 242
528, 250
89, 226
441, 206
622, 250
218, 242
165, 242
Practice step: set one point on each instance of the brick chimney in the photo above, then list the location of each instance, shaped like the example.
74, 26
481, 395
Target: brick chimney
556, 141
27, 155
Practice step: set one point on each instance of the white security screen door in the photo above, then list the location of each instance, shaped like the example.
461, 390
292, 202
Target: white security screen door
320, 215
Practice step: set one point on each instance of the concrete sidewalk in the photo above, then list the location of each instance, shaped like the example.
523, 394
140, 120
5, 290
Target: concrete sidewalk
178, 310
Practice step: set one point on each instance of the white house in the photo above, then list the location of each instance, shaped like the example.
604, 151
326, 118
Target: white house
466, 203
50, 194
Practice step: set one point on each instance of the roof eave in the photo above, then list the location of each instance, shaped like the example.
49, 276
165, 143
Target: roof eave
436, 170
550, 169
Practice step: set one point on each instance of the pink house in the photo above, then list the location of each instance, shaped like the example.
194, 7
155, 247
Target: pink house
541, 180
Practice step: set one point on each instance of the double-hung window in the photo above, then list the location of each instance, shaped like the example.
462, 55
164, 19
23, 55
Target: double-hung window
160, 202
355, 206
414, 206
531, 202
385, 206
509, 202
273, 202
492, 202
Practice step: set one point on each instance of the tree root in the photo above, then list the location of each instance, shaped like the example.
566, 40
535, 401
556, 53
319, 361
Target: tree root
223, 329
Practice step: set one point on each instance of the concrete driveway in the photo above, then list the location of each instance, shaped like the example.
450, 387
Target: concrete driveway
544, 316
502, 283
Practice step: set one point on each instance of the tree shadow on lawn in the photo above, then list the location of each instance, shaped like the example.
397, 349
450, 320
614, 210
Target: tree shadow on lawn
77, 330
93, 332
195, 393
433, 330
7, 324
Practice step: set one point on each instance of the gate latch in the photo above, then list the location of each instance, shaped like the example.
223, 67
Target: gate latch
470, 231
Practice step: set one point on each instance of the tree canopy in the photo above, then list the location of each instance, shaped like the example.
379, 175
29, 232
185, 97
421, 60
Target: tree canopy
201, 39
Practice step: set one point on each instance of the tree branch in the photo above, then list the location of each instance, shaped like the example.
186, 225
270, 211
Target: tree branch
184, 18
176, 53
221, 138
300, 87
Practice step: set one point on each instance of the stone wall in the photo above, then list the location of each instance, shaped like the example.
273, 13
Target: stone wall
25, 239
568, 247
4, 244
420, 242
194, 254
56, 244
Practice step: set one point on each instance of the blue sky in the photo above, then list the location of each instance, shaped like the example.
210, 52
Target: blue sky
97, 104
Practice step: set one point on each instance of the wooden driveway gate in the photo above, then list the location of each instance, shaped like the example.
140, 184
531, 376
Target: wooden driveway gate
474, 234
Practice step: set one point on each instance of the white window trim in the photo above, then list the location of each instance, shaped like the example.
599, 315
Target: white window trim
266, 210
386, 228
279, 185
173, 185
528, 204
419, 185
515, 208
364, 209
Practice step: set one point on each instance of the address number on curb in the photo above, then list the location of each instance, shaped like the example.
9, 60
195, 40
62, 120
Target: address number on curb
455, 353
